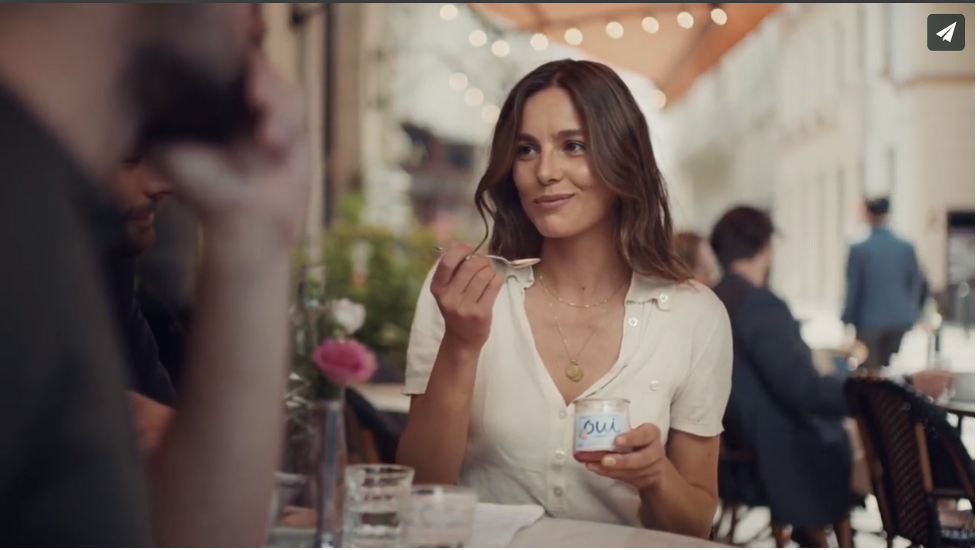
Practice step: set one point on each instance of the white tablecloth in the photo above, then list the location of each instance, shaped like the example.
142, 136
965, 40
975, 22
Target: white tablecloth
563, 533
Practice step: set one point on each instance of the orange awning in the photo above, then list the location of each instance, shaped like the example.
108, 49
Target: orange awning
671, 56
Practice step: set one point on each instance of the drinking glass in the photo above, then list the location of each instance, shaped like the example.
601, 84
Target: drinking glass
440, 516
377, 496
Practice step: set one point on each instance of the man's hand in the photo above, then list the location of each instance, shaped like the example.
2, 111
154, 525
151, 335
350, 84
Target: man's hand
932, 382
150, 420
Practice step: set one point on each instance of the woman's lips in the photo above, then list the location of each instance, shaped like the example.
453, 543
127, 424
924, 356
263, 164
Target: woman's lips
553, 202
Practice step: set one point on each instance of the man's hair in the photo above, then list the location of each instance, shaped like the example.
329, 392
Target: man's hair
741, 234
878, 206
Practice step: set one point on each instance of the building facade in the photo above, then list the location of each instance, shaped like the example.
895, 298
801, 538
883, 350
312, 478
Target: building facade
822, 105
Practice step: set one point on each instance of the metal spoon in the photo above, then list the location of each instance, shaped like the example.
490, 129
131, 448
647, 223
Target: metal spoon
524, 262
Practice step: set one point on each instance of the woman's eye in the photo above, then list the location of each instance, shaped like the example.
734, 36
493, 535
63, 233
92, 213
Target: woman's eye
524, 150
575, 147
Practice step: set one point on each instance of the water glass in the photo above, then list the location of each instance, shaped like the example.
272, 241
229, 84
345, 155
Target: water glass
377, 497
440, 516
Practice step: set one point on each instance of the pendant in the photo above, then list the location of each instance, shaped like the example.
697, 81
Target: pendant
574, 372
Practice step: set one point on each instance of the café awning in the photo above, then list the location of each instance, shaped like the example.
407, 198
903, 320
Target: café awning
672, 44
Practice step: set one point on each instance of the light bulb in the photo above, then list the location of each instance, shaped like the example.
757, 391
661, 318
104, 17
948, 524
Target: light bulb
615, 29
573, 36
449, 12
490, 113
685, 20
539, 42
474, 97
500, 48
477, 38
718, 16
650, 25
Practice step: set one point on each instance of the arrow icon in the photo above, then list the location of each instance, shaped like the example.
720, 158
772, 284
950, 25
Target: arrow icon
947, 33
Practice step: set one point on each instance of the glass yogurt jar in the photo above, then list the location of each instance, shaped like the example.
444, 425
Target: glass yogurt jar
597, 423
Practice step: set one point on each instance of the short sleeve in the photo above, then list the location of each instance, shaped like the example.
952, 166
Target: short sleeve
426, 332
701, 401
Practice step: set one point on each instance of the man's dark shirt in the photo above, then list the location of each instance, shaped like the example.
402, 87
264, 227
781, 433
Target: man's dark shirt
148, 376
69, 469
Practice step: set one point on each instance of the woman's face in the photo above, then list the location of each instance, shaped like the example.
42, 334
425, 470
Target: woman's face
560, 194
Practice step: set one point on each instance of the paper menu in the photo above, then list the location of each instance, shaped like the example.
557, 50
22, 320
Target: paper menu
497, 524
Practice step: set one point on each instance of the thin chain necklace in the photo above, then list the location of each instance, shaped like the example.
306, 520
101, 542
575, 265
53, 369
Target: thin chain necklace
573, 370
579, 306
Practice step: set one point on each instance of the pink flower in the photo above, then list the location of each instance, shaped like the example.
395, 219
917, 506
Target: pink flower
344, 361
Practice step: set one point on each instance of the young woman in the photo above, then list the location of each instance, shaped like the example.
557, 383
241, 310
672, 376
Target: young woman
498, 355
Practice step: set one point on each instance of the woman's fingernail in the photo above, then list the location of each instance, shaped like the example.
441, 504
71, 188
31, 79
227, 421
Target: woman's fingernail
608, 461
621, 441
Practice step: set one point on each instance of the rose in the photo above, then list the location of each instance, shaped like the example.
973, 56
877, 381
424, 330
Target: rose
349, 315
344, 361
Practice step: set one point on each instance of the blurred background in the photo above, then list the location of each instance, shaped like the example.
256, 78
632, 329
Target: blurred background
799, 109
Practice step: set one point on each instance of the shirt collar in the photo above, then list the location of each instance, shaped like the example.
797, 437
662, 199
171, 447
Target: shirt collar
643, 288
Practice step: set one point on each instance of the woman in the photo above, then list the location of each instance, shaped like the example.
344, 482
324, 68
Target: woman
498, 355
695, 252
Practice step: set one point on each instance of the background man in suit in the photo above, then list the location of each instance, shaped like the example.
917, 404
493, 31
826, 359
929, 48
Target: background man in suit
884, 286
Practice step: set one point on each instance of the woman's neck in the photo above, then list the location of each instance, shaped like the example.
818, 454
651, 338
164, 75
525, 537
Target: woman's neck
583, 269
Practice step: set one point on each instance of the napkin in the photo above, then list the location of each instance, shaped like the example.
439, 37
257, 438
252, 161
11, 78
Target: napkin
497, 524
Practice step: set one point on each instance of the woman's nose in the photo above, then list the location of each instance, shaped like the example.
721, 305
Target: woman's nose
548, 170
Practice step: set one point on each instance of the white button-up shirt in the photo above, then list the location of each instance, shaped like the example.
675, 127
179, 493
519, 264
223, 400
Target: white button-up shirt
675, 368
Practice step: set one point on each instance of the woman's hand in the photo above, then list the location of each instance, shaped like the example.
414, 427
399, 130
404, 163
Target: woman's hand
642, 467
465, 288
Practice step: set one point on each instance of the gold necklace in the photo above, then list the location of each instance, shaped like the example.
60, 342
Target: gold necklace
579, 306
573, 371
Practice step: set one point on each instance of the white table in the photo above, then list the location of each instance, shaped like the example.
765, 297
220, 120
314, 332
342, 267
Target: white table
385, 397
564, 533
959, 408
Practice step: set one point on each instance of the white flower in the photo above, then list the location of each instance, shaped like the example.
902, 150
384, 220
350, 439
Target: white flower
349, 315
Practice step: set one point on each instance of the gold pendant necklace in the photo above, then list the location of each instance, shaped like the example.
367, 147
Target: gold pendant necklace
574, 372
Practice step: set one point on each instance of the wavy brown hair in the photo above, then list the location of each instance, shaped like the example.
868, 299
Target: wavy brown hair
620, 155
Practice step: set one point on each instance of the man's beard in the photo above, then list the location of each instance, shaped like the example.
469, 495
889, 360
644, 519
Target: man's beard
178, 101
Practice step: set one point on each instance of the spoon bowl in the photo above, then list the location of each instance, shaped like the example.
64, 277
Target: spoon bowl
518, 263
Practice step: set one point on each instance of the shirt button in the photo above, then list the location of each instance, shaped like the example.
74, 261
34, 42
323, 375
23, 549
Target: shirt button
633, 321
663, 298
558, 492
559, 455
563, 414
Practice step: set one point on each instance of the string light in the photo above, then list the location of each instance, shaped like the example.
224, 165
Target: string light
614, 29
650, 25
474, 97
539, 42
477, 38
449, 12
685, 20
500, 48
718, 16
573, 36
490, 113
458, 82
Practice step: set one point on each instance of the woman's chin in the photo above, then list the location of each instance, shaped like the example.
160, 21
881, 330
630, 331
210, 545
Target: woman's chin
556, 230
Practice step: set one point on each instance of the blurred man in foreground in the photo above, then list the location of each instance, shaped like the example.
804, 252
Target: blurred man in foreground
80, 86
